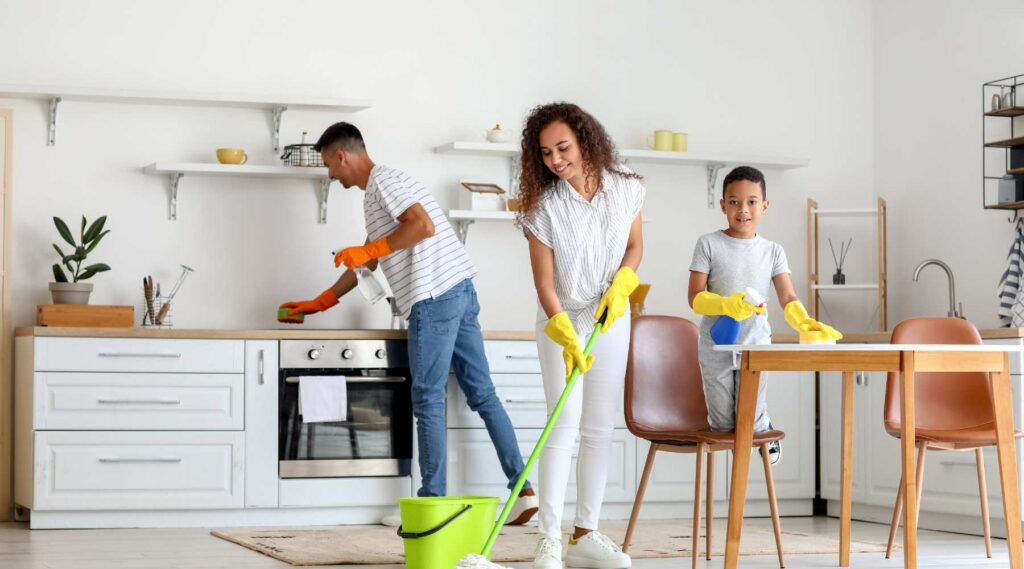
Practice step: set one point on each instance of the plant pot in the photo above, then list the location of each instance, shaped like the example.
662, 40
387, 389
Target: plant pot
70, 293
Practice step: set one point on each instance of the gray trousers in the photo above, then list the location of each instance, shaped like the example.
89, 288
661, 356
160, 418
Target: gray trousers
721, 386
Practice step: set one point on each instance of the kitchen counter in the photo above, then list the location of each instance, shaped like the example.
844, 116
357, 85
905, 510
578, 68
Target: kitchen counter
880, 337
228, 334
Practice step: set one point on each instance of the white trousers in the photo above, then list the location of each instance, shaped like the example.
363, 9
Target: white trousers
590, 411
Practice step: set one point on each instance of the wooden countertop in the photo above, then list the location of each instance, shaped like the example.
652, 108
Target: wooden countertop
230, 334
882, 337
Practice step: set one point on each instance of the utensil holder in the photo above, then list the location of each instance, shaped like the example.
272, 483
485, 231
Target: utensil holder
159, 303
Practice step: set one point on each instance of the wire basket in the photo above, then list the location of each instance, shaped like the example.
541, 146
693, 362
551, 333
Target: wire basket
162, 315
302, 155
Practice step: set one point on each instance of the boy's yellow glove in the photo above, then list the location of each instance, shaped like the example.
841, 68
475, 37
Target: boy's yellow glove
797, 317
616, 298
560, 329
711, 304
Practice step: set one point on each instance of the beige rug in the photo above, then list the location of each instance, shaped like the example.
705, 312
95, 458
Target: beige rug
379, 545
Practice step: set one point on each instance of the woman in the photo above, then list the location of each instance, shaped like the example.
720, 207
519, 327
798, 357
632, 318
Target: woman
581, 214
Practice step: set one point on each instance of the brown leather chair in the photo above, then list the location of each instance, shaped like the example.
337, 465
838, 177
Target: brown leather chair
665, 405
953, 411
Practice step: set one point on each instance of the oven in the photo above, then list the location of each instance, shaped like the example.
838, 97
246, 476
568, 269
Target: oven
376, 439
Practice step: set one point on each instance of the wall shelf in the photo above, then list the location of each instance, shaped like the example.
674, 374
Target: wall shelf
844, 287
461, 219
1011, 112
1007, 205
275, 104
175, 170
1007, 143
712, 162
845, 212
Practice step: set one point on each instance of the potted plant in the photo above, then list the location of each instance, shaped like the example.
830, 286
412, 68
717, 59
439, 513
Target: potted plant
75, 291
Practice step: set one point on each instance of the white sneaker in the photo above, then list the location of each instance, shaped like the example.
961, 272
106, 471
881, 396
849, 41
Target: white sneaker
392, 519
548, 554
596, 551
523, 509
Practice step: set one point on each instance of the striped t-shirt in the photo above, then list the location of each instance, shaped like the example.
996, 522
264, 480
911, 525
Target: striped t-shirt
432, 266
588, 239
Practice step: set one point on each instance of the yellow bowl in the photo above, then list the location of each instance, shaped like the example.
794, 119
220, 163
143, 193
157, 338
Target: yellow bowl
815, 337
231, 156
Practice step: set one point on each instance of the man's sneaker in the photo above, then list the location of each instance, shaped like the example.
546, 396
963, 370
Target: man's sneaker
596, 551
392, 519
523, 509
548, 554
774, 452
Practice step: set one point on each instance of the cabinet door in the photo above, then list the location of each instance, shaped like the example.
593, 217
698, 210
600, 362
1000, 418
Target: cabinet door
261, 482
791, 408
830, 406
882, 456
673, 474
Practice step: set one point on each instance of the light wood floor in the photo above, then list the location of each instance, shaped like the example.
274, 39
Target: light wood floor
21, 548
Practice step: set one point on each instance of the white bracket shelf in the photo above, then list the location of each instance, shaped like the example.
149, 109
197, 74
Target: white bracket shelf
276, 105
461, 219
712, 162
175, 170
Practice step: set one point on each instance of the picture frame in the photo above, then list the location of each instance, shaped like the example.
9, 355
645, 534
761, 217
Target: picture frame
482, 187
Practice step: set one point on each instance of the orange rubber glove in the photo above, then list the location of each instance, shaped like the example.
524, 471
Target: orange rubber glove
356, 256
318, 304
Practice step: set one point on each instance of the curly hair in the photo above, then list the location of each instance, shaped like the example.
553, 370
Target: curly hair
596, 148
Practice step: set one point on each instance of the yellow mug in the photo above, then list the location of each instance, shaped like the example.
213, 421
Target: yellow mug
680, 142
662, 140
231, 156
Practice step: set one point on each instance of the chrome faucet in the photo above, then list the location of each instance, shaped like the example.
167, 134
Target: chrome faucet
953, 312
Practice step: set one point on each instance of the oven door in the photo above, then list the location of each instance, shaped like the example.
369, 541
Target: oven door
376, 440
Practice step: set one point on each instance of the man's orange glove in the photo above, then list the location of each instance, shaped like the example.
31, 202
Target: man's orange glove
357, 256
318, 304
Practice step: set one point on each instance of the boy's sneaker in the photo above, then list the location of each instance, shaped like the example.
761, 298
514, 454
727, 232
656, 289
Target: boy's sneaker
774, 452
525, 507
548, 554
596, 551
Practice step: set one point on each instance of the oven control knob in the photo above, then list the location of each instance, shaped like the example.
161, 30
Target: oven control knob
381, 354
346, 354
313, 354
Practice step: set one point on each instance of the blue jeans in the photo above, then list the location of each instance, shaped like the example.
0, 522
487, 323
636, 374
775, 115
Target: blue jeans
444, 333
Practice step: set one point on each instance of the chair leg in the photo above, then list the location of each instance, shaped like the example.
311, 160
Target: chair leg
897, 510
710, 505
770, 482
697, 487
983, 492
648, 466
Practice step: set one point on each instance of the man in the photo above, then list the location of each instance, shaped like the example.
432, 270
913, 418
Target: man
431, 277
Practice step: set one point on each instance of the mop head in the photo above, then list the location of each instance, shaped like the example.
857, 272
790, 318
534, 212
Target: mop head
474, 561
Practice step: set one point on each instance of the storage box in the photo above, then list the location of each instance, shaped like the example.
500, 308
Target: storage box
85, 315
481, 196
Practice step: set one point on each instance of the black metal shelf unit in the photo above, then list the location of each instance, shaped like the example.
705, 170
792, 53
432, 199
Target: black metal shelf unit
1011, 145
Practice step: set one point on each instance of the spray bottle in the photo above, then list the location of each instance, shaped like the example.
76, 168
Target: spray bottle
726, 329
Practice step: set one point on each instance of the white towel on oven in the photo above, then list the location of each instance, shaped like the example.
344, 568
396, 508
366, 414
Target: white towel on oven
323, 398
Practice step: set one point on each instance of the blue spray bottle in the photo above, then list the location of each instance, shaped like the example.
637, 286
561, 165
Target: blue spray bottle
726, 329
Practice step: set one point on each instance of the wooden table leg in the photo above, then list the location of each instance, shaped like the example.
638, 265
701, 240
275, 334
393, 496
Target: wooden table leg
1002, 406
907, 454
846, 469
746, 407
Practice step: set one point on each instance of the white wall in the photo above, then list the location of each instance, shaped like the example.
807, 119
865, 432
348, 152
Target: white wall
931, 57
785, 78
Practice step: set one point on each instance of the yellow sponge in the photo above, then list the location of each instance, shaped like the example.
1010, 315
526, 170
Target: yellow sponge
815, 337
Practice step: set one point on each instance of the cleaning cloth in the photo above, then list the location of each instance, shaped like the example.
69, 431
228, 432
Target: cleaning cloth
323, 398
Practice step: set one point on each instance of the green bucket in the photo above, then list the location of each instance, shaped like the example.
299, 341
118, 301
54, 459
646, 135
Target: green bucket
440, 531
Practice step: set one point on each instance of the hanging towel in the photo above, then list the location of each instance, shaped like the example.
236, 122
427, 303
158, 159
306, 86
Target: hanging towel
1011, 293
323, 398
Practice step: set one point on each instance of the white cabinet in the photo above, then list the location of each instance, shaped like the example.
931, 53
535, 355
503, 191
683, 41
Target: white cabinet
261, 418
830, 407
791, 408
673, 474
138, 355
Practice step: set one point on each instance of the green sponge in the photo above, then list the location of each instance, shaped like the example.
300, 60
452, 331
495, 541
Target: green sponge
297, 318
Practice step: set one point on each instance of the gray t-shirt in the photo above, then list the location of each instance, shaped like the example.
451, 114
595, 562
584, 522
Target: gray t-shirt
734, 264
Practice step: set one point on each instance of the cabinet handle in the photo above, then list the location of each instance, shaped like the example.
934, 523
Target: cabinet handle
137, 355
262, 369
525, 401
139, 401
521, 357
162, 460
954, 463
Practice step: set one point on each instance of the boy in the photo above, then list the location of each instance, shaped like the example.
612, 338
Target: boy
724, 264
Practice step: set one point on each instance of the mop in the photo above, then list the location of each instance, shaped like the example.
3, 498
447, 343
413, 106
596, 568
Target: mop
474, 561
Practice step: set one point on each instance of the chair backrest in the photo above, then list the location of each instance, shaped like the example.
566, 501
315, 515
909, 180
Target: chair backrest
946, 400
664, 389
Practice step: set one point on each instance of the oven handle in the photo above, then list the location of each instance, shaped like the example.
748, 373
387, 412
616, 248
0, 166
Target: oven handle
359, 379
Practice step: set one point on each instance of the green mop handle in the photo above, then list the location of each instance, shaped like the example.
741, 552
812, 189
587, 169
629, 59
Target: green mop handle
542, 441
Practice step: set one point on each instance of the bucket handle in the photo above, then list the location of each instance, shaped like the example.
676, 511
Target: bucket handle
414, 535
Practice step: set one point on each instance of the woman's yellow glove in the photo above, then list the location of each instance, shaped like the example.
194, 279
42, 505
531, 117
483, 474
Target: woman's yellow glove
616, 298
560, 329
733, 306
797, 317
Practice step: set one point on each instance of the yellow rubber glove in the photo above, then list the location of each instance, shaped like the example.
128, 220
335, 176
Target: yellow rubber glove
318, 304
616, 298
797, 317
711, 304
560, 329
358, 256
